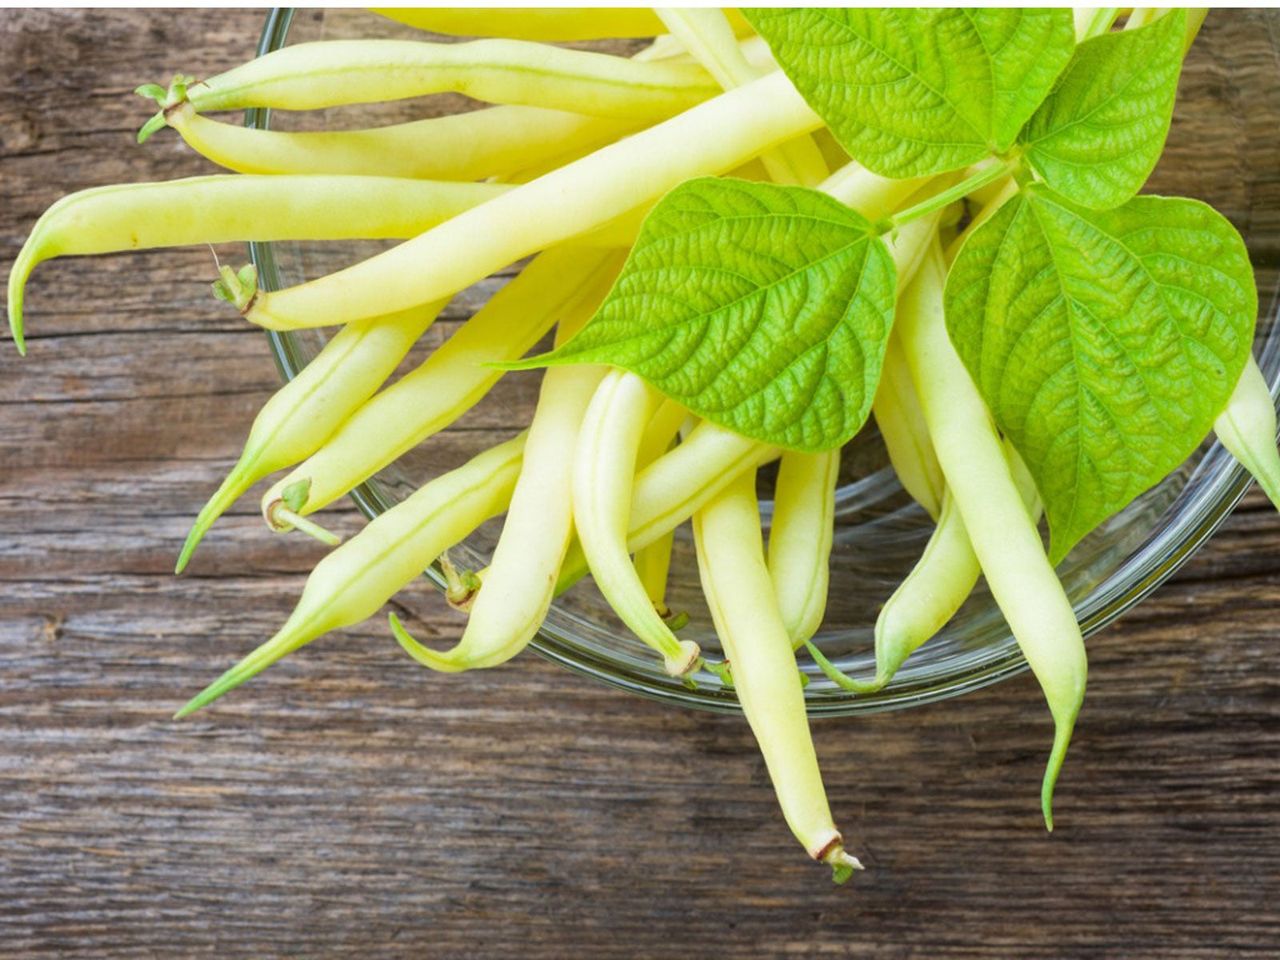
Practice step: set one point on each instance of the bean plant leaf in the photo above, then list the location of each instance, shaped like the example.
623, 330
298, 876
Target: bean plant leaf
1097, 137
1104, 343
763, 308
915, 92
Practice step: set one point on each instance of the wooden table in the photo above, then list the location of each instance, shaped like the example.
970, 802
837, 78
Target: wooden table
349, 804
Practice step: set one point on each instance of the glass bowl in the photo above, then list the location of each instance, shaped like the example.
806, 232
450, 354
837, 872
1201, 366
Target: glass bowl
1222, 149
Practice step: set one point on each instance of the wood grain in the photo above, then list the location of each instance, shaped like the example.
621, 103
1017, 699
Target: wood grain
349, 803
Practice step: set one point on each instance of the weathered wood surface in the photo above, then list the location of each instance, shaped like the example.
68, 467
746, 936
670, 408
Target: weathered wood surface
351, 804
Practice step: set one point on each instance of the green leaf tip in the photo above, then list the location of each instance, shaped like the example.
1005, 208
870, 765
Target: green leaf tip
841, 874
166, 99
721, 669
152, 91
295, 495
842, 863
237, 287
152, 126
676, 621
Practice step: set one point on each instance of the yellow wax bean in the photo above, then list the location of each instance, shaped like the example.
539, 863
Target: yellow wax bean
1006, 542
756, 643
800, 542
549, 24
518, 586
674, 486
906, 437
653, 562
492, 142
653, 567
870, 194
712, 137
895, 406
306, 411
938, 585
453, 379
603, 472
1247, 428
355, 580
800, 538
224, 208
658, 432
1093, 21
330, 73
708, 35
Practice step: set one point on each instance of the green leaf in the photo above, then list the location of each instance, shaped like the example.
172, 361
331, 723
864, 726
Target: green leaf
915, 92
762, 308
1097, 137
152, 91
1104, 343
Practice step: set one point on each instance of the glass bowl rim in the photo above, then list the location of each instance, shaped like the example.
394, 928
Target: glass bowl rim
1131, 582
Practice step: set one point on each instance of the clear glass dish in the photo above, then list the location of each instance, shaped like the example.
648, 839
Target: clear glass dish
1222, 148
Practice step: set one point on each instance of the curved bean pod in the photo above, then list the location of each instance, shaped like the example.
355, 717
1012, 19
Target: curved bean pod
653, 567
1006, 542
671, 489
660, 429
603, 474
1247, 428
306, 411
712, 137
355, 580
450, 381
520, 582
895, 407
224, 208
653, 562
493, 142
799, 558
741, 599
938, 585
331, 73
902, 427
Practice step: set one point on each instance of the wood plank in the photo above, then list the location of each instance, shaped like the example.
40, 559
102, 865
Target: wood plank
350, 802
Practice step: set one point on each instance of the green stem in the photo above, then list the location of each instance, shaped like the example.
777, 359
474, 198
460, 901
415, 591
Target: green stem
838, 676
1099, 22
282, 516
461, 586
961, 190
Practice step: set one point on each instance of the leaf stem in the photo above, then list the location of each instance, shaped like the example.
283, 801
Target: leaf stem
1094, 22
968, 185
283, 515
